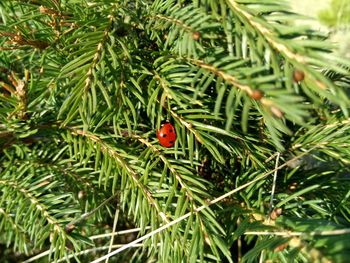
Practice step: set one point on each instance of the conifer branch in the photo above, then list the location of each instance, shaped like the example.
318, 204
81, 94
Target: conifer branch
234, 82
166, 162
211, 202
297, 59
38, 205
109, 150
183, 185
187, 125
60, 170
266, 33
238, 80
17, 228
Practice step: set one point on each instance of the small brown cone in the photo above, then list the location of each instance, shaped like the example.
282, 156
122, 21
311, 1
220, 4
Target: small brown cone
298, 75
257, 94
196, 35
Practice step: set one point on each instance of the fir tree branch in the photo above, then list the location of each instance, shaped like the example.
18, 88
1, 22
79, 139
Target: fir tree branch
298, 59
61, 170
236, 84
109, 150
81, 90
9, 219
19, 231
184, 186
166, 162
40, 206
187, 125
224, 74
266, 33
213, 201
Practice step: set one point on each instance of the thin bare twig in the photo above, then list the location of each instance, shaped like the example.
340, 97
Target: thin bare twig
122, 232
86, 215
116, 216
273, 186
298, 234
261, 260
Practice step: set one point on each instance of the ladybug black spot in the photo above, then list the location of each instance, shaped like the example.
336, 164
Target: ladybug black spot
171, 142
163, 135
171, 130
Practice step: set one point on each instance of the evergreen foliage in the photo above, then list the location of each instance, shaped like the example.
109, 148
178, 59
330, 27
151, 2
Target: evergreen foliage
337, 15
260, 167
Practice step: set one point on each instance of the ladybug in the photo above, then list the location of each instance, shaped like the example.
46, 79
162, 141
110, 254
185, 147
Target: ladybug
166, 135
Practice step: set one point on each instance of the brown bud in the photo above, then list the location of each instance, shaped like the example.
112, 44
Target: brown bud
279, 211
196, 35
69, 228
273, 215
281, 247
276, 213
257, 94
298, 75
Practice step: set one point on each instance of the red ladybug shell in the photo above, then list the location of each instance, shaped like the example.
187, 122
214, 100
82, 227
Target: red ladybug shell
167, 135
